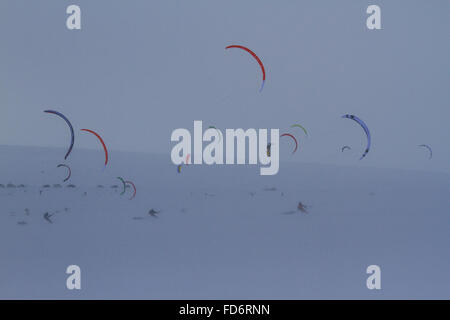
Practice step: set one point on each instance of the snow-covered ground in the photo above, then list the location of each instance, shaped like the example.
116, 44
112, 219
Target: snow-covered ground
222, 232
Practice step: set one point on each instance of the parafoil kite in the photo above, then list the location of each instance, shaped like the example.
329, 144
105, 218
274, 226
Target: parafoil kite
301, 127
293, 138
134, 187
429, 149
124, 185
256, 58
102, 142
72, 139
345, 147
365, 128
70, 171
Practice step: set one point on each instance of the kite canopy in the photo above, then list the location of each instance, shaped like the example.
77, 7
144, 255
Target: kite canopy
345, 147
124, 185
301, 127
134, 187
70, 171
365, 128
293, 138
256, 58
429, 149
101, 141
218, 131
72, 138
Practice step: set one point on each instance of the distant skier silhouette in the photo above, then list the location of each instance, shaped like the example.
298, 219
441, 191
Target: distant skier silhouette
47, 217
153, 213
302, 207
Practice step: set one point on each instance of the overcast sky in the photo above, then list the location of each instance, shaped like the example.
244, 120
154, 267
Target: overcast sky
139, 69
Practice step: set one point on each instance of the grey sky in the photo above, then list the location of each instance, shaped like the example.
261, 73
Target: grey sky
139, 69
